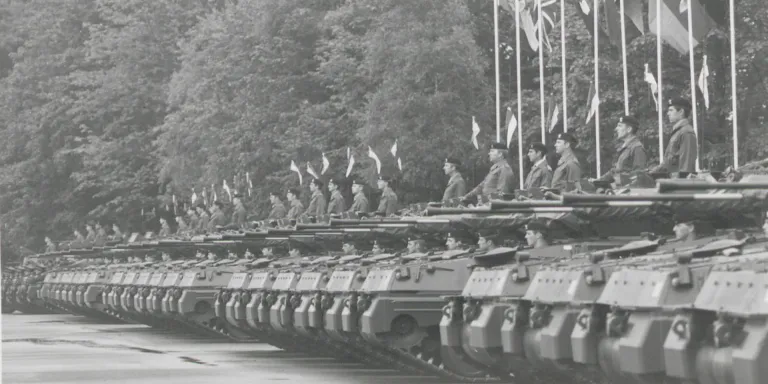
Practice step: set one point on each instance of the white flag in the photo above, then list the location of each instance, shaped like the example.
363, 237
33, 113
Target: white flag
226, 189
394, 149
349, 153
511, 126
683, 6
475, 132
215, 196
399, 164
593, 107
703, 86
194, 196
248, 178
311, 171
298, 172
654, 86
555, 118
375, 158
351, 164
326, 164
584, 7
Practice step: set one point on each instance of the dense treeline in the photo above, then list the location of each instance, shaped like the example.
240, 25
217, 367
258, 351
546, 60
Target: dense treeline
108, 108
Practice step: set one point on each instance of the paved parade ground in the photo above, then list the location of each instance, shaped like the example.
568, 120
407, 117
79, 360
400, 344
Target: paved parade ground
70, 349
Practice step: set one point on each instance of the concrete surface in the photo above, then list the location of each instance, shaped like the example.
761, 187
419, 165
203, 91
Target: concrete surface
70, 349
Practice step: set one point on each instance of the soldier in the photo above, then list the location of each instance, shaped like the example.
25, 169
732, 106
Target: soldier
181, 224
296, 207
456, 188
317, 204
567, 175
165, 229
90, 235
348, 248
416, 245
632, 155
540, 175
203, 218
536, 235
239, 214
79, 241
456, 241
194, 220
685, 231
218, 219
101, 234
50, 246
278, 208
486, 240
294, 252
360, 203
388, 200
500, 178
268, 253
682, 147
336, 205
377, 249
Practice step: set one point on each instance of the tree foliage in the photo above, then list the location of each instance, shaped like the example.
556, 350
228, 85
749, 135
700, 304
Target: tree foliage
108, 108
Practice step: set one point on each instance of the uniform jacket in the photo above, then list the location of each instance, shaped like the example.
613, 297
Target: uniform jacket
456, 188
336, 205
316, 204
217, 219
277, 212
239, 216
297, 208
360, 204
202, 222
567, 175
682, 149
164, 231
388, 202
500, 179
540, 176
631, 158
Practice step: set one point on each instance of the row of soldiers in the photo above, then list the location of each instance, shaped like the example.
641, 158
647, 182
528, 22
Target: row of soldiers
679, 160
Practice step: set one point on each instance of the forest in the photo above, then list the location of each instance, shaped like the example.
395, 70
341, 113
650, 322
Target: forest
110, 110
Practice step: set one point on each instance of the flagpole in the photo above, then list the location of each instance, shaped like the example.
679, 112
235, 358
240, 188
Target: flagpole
624, 57
563, 66
659, 88
596, 20
693, 82
541, 75
519, 93
496, 52
734, 100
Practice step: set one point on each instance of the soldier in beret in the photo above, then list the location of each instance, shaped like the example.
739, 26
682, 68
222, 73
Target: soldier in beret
360, 203
239, 214
682, 147
536, 234
278, 208
218, 219
336, 205
317, 204
456, 241
486, 240
632, 156
540, 175
456, 186
416, 245
500, 178
297, 208
388, 201
567, 175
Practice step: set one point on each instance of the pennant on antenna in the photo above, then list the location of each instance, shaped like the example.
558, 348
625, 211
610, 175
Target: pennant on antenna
349, 153
326, 164
399, 164
227, 190
311, 171
511, 126
475, 132
215, 195
194, 196
350, 165
375, 158
555, 118
653, 85
703, 86
294, 168
393, 150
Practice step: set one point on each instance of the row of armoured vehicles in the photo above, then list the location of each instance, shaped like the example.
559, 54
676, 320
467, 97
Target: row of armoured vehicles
600, 291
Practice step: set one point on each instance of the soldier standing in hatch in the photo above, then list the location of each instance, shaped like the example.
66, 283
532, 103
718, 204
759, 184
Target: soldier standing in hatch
567, 175
50, 246
218, 219
203, 219
500, 178
682, 147
632, 155
536, 235
388, 200
297, 208
336, 204
165, 229
456, 188
278, 208
317, 203
239, 214
540, 175
360, 203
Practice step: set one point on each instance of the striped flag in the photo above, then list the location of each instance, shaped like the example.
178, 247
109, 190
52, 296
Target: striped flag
296, 169
653, 85
511, 126
475, 132
351, 162
375, 158
593, 102
326, 164
311, 171
703, 86
674, 22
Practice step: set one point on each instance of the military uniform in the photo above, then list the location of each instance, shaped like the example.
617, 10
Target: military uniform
540, 176
336, 205
360, 203
682, 150
457, 187
164, 231
631, 158
202, 222
297, 208
239, 216
567, 175
316, 204
217, 220
499, 180
277, 212
388, 200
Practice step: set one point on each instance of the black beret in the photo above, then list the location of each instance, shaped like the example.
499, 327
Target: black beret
415, 237
628, 120
499, 146
274, 193
462, 236
337, 181
488, 234
360, 182
385, 178
237, 196
454, 161
536, 226
565, 136
318, 183
217, 203
539, 147
680, 103
294, 191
